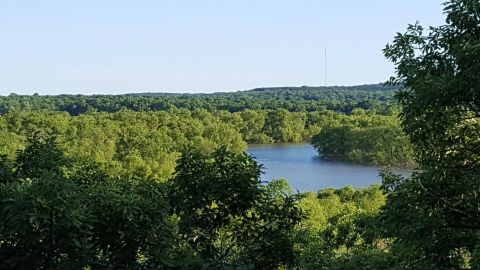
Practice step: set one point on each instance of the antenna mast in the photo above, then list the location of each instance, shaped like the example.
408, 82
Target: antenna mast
325, 67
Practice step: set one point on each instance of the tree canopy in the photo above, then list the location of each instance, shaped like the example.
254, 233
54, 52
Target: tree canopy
434, 215
296, 99
162, 181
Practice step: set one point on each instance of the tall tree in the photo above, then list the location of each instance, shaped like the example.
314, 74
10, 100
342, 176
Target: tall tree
227, 216
435, 214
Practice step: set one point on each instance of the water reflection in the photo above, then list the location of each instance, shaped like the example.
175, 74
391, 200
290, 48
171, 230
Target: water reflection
305, 171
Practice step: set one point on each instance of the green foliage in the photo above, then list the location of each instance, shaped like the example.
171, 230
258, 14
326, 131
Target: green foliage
135, 182
365, 259
363, 138
42, 214
148, 143
59, 215
39, 157
124, 143
227, 217
207, 191
6, 171
434, 215
339, 232
62, 213
294, 99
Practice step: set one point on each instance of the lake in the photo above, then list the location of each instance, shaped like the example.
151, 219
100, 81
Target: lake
306, 171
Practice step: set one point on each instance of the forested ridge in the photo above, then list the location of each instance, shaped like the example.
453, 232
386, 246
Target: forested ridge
164, 182
263, 115
363, 136
341, 99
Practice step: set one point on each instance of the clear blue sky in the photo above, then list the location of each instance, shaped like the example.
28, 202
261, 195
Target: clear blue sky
114, 47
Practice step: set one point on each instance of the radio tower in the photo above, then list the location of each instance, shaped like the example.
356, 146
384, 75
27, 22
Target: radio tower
325, 67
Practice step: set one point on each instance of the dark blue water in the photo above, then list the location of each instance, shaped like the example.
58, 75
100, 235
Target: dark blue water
305, 171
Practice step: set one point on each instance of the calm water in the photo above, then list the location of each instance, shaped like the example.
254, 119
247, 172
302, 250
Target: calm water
305, 171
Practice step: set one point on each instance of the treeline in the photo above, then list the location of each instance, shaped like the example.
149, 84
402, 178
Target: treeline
64, 206
151, 141
373, 140
263, 115
58, 212
213, 213
300, 99
132, 143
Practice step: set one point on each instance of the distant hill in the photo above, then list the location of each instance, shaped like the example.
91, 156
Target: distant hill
305, 98
288, 92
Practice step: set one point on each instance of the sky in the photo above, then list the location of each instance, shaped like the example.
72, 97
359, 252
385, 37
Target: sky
117, 46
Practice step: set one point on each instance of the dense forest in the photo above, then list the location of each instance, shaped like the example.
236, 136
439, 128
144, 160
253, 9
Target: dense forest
341, 99
163, 181
268, 115
213, 213
156, 138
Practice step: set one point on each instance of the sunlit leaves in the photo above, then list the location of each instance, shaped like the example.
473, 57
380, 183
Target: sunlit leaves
434, 214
